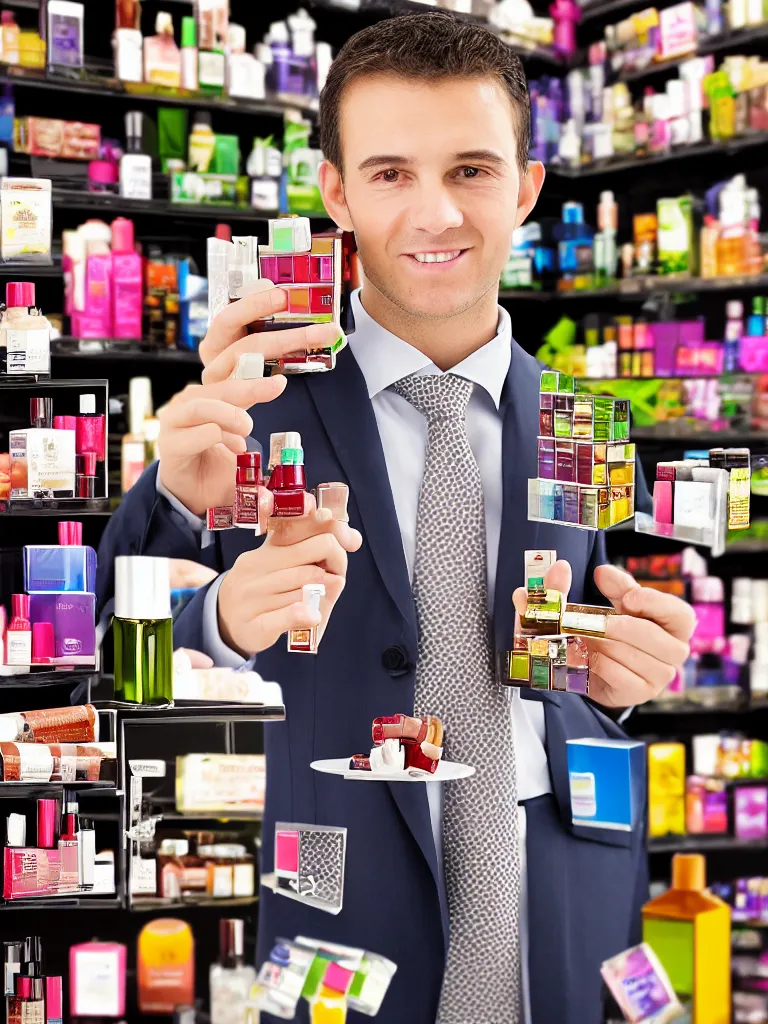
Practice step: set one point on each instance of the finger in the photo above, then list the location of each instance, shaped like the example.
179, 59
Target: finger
284, 581
322, 549
231, 323
613, 685
183, 444
196, 658
657, 674
209, 410
295, 529
295, 616
557, 577
614, 584
645, 635
186, 573
672, 614
241, 393
273, 345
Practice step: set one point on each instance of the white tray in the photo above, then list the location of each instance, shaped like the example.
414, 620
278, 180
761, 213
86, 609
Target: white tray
446, 772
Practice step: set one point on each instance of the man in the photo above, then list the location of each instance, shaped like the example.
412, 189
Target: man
496, 908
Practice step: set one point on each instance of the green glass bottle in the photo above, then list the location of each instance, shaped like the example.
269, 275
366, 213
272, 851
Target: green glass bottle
143, 630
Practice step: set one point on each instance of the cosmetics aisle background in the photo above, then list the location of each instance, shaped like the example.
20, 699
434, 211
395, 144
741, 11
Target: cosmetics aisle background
696, 400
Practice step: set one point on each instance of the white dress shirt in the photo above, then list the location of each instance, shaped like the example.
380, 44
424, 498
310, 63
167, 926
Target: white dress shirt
384, 359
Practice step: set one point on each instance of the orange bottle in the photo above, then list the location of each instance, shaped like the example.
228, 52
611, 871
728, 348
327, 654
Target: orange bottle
689, 930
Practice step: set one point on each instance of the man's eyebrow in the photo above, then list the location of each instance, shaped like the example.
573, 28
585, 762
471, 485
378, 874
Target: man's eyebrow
482, 156
382, 161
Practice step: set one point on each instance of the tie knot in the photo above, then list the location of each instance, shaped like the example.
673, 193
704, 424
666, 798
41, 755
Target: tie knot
441, 396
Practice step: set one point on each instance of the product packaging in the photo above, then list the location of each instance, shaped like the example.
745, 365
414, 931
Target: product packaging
607, 781
25, 209
220, 783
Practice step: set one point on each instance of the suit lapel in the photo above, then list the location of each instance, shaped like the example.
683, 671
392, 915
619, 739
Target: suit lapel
350, 424
519, 461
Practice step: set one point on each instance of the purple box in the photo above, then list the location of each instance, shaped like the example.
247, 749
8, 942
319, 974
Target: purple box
665, 336
74, 625
751, 812
546, 458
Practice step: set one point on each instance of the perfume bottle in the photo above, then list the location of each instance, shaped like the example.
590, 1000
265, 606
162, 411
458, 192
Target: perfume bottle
689, 930
162, 57
230, 978
19, 634
143, 630
334, 496
247, 490
69, 871
288, 482
304, 641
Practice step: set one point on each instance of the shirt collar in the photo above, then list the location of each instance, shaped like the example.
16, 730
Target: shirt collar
384, 358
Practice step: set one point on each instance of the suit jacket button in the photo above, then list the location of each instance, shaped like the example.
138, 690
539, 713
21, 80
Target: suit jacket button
395, 660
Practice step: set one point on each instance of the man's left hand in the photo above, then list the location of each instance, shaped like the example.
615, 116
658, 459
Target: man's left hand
645, 643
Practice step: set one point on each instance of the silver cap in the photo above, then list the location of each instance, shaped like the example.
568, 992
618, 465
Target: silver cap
142, 587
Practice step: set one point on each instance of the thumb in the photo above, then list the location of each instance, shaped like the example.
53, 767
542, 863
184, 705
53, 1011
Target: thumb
558, 577
614, 584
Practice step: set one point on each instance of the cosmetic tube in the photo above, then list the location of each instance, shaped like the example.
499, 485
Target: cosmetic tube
54, 1001
68, 850
86, 854
47, 818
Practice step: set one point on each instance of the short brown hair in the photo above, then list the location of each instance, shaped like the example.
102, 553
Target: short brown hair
429, 47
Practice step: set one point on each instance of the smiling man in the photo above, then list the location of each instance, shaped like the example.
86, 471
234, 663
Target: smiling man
496, 909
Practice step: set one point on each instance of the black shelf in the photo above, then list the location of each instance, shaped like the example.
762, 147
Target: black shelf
63, 902
711, 439
144, 904
688, 707
17, 269
112, 88
615, 164
704, 843
198, 712
23, 790
706, 45
41, 679
642, 287
55, 507
108, 203
112, 349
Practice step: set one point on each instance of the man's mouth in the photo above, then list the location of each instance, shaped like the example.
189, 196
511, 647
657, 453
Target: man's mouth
437, 257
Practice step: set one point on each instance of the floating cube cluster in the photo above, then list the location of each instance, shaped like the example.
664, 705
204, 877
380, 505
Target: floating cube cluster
586, 467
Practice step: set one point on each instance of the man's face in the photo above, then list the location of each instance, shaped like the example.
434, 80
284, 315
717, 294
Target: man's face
431, 187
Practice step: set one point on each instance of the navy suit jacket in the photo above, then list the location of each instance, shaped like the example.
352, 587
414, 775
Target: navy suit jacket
585, 886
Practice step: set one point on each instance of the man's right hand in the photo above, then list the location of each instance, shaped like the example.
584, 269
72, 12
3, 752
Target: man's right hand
203, 428
260, 596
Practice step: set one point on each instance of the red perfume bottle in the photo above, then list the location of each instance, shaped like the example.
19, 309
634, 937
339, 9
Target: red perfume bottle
247, 490
288, 482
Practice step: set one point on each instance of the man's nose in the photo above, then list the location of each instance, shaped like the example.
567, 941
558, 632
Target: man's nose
434, 210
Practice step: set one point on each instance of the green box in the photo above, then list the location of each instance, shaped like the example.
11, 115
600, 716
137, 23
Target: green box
676, 236
548, 383
540, 673
520, 666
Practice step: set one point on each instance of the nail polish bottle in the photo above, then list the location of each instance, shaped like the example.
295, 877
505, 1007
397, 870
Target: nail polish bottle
19, 633
89, 436
334, 496
304, 641
288, 482
247, 490
43, 643
68, 848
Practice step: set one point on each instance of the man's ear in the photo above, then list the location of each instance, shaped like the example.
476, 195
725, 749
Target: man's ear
332, 191
530, 186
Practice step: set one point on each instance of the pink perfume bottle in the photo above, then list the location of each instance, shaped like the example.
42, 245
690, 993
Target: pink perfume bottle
19, 634
89, 433
566, 15
127, 281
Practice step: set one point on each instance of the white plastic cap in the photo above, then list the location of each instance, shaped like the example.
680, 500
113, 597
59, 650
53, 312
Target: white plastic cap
292, 439
607, 197
734, 310
250, 365
87, 405
164, 23
278, 32
311, 594
142, 587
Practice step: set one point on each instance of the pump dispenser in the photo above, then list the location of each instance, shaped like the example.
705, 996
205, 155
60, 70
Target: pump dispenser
689, 929
143, 630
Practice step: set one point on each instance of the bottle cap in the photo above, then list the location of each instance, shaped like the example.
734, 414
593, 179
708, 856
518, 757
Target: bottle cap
43, 644
689, 871
734, 310
33, 953
250, 366
85, 486
142, 587
223, 232
102, 172
41, 412
164, 23
85, 465
19, 293
231, 939
65, 422
134, 127
573, 213
7, 18
123, 240
202, 117
188, 32
70, 533
20, 606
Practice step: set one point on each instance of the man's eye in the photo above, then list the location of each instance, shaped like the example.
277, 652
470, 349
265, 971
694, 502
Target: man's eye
470, 172
389, 175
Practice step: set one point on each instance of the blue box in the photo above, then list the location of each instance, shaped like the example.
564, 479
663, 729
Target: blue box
58, 569
607, 782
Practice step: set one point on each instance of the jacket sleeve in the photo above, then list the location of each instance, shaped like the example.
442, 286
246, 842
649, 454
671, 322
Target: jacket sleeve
147, 524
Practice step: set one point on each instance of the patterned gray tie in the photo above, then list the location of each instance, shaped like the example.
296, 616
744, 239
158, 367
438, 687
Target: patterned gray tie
455, 680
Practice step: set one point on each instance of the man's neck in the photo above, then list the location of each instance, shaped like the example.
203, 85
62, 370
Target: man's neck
446, 341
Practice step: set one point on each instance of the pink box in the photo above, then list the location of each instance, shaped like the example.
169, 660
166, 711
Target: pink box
662, 501
28, 871
751, 812
753, 354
